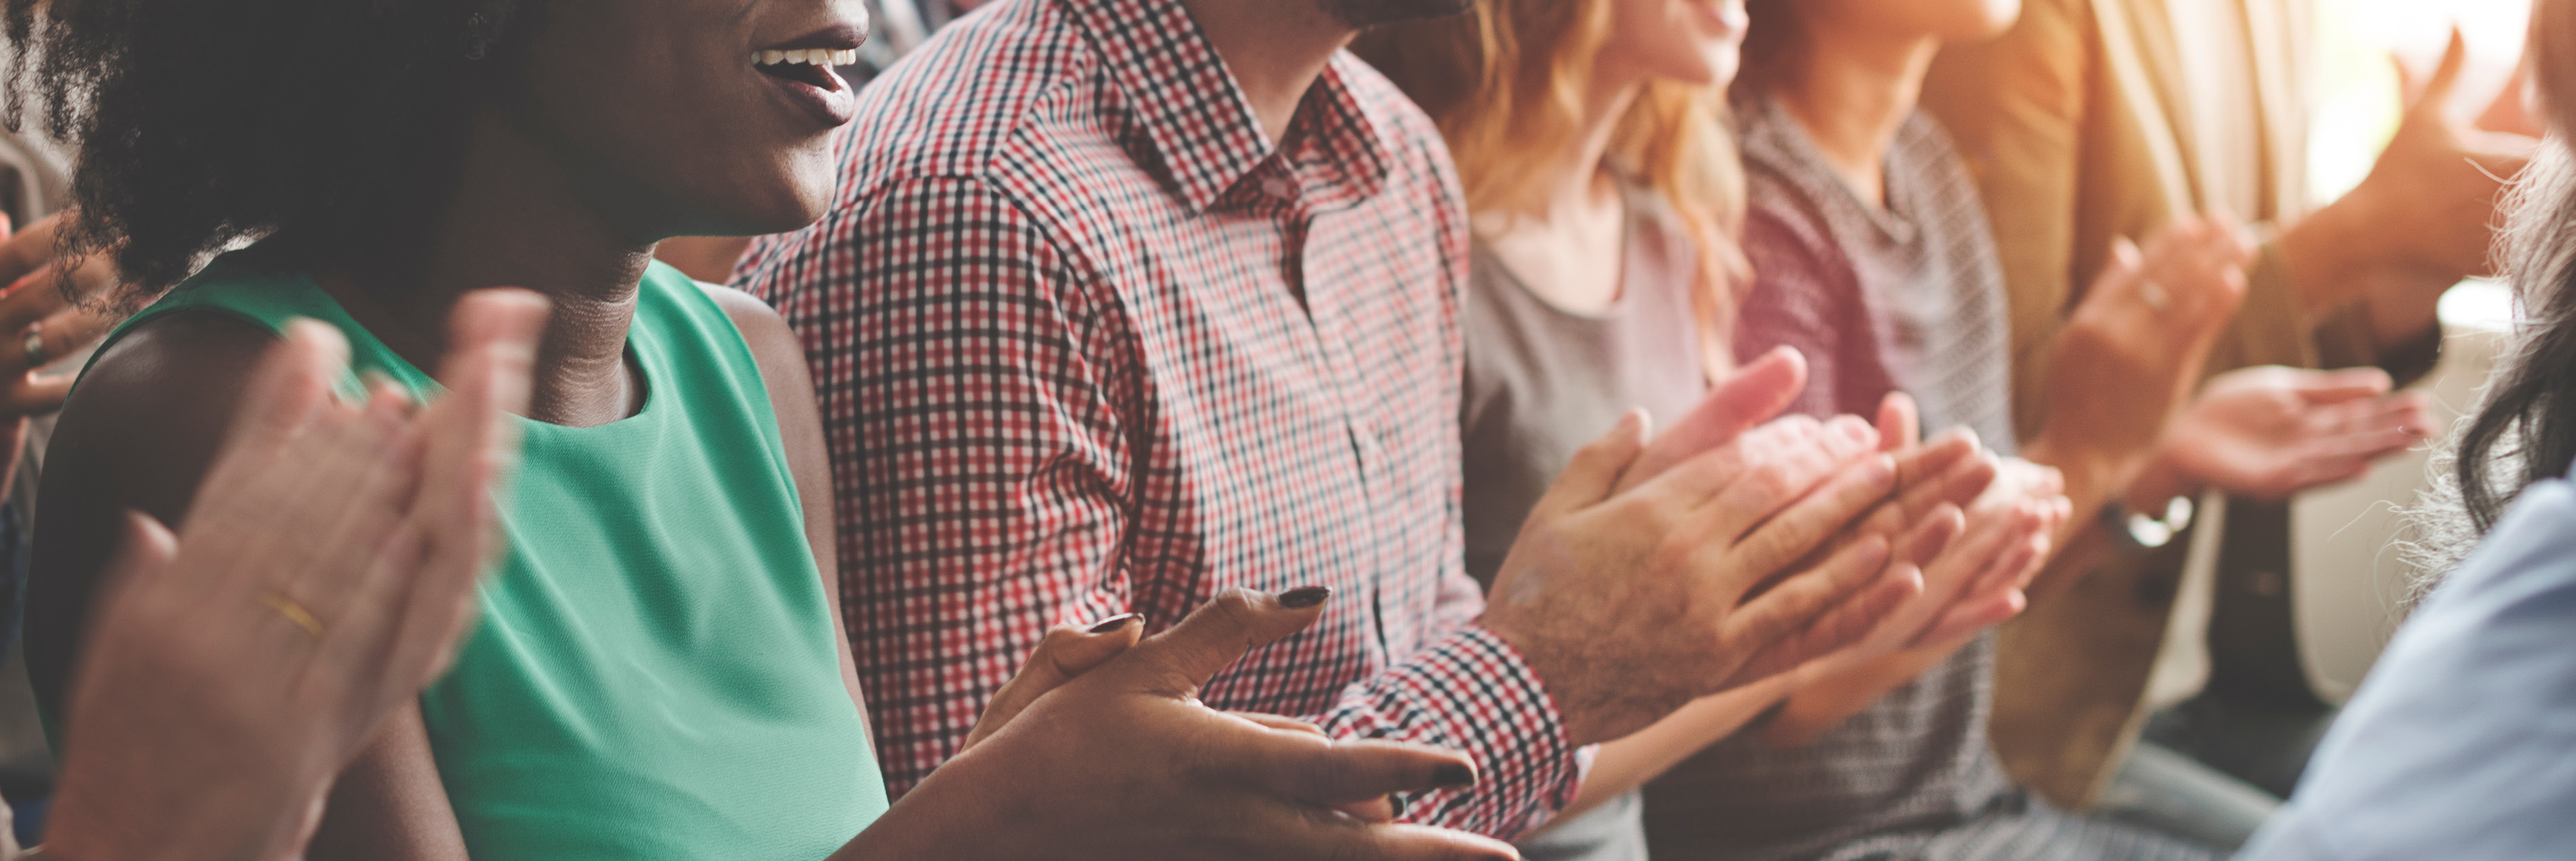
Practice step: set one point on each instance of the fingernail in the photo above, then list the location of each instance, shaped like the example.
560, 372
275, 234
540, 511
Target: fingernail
1395, 803
1453, 776
1299, 599
1115, 622
1854, 429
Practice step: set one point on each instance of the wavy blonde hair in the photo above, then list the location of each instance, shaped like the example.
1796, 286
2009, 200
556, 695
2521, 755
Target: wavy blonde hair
1507, 82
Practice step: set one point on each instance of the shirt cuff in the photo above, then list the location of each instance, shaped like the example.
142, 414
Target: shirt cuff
1481, 698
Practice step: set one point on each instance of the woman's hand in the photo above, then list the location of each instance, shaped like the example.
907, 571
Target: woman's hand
42, 325
323, 576
1118, 759
2132, 352
2269, 432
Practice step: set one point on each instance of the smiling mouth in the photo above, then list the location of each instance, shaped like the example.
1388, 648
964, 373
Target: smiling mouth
811, 66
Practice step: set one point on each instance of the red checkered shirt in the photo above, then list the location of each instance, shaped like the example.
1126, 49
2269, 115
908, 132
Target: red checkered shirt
1086, 343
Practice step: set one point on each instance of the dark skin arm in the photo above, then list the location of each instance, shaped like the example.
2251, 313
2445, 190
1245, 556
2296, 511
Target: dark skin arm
139, 434
800, 427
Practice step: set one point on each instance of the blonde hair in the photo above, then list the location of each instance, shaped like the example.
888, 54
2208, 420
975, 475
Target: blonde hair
1507, 83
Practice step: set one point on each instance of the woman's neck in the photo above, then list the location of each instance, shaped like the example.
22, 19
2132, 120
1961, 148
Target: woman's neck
1574, 183
1566, 246
516, 220
1851, 91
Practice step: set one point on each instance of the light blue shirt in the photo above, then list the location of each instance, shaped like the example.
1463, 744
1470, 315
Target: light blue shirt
2461, 745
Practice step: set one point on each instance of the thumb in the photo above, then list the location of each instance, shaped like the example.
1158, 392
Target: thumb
1900, 422
2435, 92
2121, 268
1066, 652
2320, 388
143, 556
291, 384
1596, 468
1755, 394
1176, 662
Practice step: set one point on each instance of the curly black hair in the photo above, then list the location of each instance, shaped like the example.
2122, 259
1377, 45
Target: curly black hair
330, 125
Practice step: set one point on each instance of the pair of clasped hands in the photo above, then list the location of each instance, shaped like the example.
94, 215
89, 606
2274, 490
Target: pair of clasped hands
208, 723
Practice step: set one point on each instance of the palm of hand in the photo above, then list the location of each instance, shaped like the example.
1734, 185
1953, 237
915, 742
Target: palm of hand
2271, 432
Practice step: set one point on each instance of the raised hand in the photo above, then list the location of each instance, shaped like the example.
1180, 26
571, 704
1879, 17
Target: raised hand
2437, 182
2132, 352
324, 574
1120, 760
2270, 432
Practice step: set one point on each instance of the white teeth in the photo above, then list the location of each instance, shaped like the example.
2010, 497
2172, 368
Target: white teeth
808, 57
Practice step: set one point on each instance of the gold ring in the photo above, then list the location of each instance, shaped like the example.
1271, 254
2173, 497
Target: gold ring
293, 612
33, 341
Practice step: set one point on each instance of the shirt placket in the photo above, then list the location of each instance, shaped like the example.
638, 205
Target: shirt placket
1286, 183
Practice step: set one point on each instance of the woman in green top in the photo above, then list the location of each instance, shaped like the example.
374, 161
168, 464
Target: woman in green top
658, 672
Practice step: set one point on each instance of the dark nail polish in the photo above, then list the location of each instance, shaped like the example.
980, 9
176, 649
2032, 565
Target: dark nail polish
1299, 599
1395, 802
1453, 776
1115, 622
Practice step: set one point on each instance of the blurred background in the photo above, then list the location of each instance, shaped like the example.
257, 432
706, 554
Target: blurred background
2350, 584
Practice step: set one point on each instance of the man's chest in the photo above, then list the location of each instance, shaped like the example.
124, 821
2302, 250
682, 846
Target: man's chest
1299, 387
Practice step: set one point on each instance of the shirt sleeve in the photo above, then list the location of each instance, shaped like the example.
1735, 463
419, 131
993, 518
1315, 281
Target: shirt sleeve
1471, 692
2455, 745
980, 460
982, 392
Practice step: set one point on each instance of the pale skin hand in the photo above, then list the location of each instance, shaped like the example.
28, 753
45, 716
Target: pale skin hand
1100, 750
1935, 479
2270, 432
2131, 355
373, 522
1977, 582
1631, 602
2423, 219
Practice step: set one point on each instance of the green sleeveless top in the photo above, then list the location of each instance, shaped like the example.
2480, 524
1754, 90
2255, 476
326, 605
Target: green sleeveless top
655, 673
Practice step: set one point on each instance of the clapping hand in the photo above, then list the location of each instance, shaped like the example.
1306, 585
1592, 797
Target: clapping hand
2269, 432
323, 576
2132, 352
1101, 750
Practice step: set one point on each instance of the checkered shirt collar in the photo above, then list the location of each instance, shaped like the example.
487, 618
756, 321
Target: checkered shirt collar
1196, 118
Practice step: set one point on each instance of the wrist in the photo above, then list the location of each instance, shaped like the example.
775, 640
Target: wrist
2093, 475
2328, 253
2158, 482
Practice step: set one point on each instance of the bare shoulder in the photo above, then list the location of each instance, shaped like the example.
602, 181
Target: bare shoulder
136, 435
169, 385
766, 332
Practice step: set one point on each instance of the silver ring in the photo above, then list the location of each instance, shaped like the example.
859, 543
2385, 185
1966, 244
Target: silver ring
33, 342
2154, 294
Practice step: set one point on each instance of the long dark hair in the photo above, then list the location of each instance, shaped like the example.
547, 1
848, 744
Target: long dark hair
2526, 429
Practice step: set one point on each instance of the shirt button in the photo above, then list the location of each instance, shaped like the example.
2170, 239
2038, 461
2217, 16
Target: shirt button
1279, 188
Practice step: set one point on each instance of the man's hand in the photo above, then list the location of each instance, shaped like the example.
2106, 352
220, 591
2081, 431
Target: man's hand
2271, 431
2133, 350
322, 578
1120, 760
1633, 590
